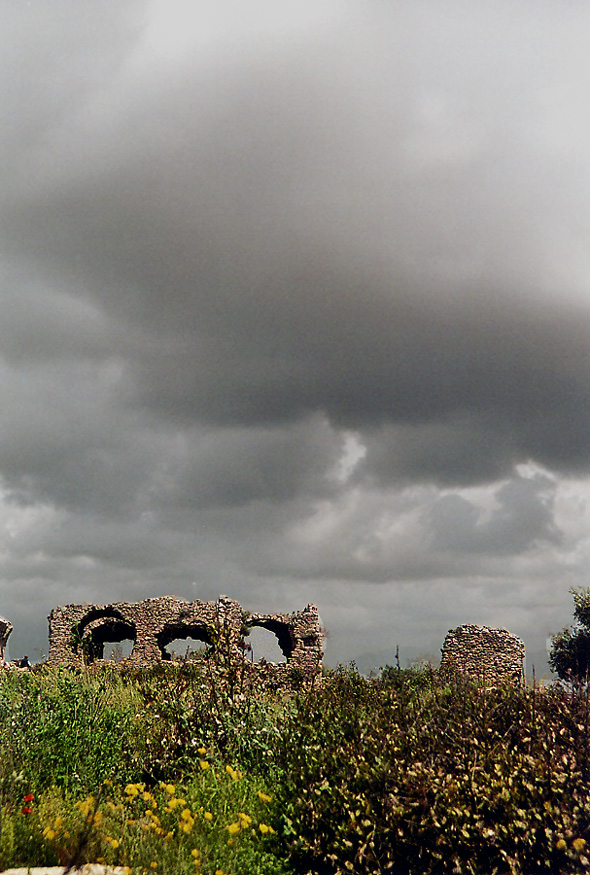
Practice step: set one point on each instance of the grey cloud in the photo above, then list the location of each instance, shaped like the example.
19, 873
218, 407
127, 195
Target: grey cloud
274, 254
41, 323
523, 516
239, 466
53, 57
220, 262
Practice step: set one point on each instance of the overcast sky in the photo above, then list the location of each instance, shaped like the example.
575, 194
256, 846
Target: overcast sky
295, 307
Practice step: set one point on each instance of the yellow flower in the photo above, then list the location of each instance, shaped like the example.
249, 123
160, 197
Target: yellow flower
147, 797
114, 843
107, 782
204, 764
49, 833
202, 751
85, 806
131, 790
98, 818
561, 845
127, 870
186, 814
168, 836
208, 815
264, 828
233, 828
153, 864
170, 788
58, 822
578, 845
195, 853
264, 796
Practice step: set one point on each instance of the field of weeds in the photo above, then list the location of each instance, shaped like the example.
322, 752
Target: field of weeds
163, 771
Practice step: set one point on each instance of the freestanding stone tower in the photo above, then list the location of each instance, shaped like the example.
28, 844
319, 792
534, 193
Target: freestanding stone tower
489, 656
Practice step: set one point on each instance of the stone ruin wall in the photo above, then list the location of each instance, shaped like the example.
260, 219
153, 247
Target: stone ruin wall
489, 656
78, 634
5, 630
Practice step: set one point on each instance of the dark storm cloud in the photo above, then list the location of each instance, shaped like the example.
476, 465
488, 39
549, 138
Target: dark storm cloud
523, 515
279, 287
281, 237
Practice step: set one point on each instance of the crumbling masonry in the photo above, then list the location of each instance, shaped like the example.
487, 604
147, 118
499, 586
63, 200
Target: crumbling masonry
78, 634
5, 630
488, 656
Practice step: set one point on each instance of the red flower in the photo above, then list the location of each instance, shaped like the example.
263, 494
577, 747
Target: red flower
26, 810
29, 797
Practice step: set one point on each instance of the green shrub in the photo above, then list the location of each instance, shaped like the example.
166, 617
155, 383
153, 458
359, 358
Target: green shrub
61, 727
422, 777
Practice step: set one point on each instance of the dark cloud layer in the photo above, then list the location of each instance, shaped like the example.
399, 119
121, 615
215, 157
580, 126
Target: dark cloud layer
279, 290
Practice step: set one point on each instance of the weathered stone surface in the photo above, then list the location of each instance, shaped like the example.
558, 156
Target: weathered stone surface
5, 630
78, 633
489, 656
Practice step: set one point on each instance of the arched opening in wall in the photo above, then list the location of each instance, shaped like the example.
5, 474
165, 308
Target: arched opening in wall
108, 630
119, 650
192, 643
270, 641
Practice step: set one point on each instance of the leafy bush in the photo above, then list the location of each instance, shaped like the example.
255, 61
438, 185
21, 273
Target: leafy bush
412, 775
59, 727
569, 657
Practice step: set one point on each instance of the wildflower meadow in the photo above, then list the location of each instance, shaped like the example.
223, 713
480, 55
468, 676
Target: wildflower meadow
167, 771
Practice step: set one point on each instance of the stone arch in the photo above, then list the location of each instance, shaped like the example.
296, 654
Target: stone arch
99, 626
280, 629
184, 629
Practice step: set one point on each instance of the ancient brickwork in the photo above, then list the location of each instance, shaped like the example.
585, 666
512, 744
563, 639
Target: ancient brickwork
5, 630
78, 634
489, 656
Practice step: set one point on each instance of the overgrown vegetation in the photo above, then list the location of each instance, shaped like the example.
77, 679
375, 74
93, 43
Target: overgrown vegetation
172, 772
570, 649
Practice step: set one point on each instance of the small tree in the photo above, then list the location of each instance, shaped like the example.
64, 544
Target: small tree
569, 657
